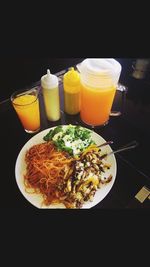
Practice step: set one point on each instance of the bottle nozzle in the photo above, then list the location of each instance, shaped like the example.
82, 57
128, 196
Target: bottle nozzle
48, 72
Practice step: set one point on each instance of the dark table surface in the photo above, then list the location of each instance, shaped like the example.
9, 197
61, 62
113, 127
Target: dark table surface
133, 167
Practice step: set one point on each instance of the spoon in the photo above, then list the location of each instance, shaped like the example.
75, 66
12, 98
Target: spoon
129, 146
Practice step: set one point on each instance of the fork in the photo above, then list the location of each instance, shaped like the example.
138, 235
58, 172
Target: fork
128, 146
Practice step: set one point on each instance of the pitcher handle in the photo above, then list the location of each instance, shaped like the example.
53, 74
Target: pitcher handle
123, 89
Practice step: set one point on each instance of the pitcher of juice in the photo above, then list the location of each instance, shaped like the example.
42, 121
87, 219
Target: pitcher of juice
99, 80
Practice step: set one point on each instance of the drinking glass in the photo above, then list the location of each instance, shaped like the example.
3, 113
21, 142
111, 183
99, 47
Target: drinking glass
26, 105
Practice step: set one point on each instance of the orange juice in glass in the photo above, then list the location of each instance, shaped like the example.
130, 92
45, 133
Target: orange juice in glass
99, 80
26, 105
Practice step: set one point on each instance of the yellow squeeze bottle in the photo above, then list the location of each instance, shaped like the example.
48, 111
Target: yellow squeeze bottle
71, 85
50, 90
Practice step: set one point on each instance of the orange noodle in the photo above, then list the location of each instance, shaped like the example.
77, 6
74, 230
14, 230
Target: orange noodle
48, 171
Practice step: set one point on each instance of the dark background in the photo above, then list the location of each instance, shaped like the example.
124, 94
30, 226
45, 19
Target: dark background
18, 72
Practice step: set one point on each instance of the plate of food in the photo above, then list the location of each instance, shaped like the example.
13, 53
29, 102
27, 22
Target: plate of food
63, 167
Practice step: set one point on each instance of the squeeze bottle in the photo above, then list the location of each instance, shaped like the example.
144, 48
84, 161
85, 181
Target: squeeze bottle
71, 84
50, 88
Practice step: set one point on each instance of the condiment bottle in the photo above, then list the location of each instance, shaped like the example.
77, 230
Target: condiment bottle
50, 88
71, 85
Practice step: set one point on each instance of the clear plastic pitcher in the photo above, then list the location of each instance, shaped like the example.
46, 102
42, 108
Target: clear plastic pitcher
99, 81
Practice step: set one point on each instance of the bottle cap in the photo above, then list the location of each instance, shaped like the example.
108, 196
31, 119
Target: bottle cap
49, 81
72, 77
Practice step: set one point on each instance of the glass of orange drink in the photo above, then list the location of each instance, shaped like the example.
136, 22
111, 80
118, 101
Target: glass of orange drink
99, 81
26, 105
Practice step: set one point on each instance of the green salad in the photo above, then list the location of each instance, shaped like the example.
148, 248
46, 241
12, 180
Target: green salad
72, 139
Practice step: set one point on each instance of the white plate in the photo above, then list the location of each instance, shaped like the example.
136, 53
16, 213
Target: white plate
36, 199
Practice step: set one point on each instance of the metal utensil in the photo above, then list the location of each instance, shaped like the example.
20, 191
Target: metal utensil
106, 143
129, 146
